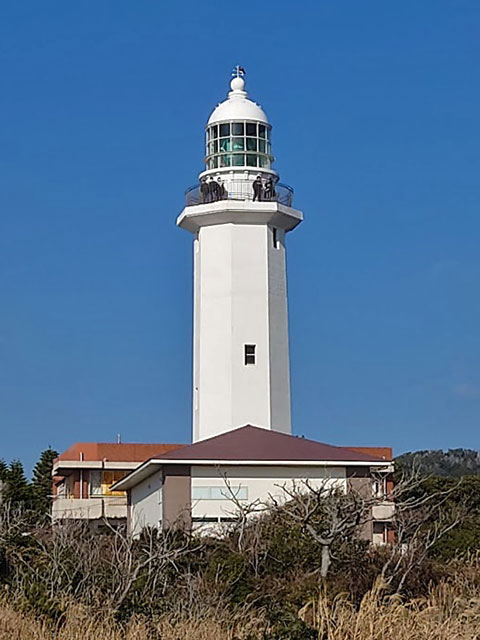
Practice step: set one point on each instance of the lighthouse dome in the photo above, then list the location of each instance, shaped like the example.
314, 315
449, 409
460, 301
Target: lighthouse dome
238, 106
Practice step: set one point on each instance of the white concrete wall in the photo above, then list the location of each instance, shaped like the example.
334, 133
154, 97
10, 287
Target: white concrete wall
261, 482
278, 333
146, 504
240, 298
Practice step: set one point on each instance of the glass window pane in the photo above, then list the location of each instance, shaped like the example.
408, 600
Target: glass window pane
214, 131
251, 129
251, 160
264, 162
262, 146
225, 144
261, 131
210, 148
238, 144
268, 133
224, 130
214, 163
237, 129
95, 483
269, 148
238, 160
225, 161
251, 144
201, 493
241, 493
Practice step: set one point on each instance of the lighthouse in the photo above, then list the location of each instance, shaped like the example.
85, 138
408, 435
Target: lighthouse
239, 214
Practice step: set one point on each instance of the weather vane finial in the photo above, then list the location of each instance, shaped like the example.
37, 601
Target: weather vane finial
238, 72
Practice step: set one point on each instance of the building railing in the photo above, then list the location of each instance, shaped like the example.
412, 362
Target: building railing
89, 508
213, 191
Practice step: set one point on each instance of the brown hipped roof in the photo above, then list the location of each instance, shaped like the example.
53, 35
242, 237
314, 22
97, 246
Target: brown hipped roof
253, 443
115, 452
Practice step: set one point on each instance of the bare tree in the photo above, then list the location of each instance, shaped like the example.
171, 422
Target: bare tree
420, 519
333, 517
326, 513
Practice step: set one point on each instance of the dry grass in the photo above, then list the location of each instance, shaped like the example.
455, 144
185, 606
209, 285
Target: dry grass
451, 611
80, 624
443, 615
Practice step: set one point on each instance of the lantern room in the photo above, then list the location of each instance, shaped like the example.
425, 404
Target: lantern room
238, 134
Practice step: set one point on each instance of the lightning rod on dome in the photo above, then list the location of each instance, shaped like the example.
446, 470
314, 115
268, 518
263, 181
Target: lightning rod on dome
239, 71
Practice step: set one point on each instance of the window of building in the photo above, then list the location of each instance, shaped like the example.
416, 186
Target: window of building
95, 478
225, 144
250, 353
101, 481
379, 533
379, 487
276, 243
238, 144
219, 493
224, 130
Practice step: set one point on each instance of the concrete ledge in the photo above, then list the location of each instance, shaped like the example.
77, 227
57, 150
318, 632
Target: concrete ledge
239, 212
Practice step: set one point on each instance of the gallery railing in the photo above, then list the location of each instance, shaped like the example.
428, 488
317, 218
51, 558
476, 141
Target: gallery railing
213, 191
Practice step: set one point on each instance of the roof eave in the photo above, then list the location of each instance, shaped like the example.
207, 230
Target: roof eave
148, 467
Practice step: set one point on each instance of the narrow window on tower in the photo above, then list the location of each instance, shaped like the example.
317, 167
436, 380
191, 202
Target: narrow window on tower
250, 353
276, 243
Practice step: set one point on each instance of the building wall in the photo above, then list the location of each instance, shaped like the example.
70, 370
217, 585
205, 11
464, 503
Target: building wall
176, 496
278, 332
359, 479
146, 504
240, 298
260, 482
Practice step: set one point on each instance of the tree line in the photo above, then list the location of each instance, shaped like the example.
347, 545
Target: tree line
18, 492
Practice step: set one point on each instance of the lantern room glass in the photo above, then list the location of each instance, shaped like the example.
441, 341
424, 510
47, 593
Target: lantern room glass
226, 142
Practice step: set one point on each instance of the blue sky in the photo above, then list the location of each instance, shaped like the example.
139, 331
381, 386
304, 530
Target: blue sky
375, 107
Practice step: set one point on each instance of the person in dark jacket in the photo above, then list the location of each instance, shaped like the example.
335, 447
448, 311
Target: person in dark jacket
213, 189
204, 191
222, 192
257, 189
270, 190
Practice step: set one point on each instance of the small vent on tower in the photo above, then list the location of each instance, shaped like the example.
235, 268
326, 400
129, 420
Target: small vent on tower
250, 353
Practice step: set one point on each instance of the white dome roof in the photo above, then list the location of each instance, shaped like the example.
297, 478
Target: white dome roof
238, 106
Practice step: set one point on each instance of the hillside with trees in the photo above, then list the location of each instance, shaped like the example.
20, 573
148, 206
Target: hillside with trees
454, 462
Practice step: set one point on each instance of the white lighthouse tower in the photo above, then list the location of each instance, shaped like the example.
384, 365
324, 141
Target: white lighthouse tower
239, 215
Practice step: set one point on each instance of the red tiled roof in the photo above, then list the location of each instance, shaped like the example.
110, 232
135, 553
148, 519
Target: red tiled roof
113, 452
253, 443
386, 453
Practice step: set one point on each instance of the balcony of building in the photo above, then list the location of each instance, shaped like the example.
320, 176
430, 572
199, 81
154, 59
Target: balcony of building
229, 188
91, 508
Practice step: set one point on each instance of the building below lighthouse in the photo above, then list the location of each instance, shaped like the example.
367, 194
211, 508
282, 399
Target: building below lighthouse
243, 450
240, 214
